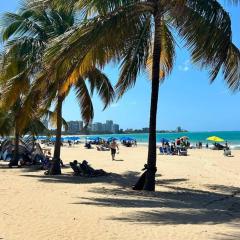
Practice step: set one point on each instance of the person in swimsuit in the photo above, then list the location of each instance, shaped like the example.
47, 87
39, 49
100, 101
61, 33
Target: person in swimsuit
114, 148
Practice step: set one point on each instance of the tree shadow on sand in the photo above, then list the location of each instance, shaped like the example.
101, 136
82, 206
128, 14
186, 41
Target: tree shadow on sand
172, 205
228, 236
123, 180
176, 206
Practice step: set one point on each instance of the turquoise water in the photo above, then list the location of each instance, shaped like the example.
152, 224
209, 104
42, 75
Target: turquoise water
233, 137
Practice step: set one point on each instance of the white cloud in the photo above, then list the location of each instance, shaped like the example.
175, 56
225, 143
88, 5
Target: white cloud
184, 67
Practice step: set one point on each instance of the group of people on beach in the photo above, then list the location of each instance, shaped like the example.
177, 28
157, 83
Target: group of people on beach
178, 147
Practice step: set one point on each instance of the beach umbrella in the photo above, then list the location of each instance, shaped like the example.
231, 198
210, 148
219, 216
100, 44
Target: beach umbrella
215, 139
53, 139
72, 138
41, 137
94, 138
76, 138
110, 139
127, 139
164, 140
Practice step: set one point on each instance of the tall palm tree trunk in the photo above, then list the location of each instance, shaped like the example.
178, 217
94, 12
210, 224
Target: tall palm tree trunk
56, 166
151, 161
15, 157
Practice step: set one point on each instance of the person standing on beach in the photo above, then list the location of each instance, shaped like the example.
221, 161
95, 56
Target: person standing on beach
114, 148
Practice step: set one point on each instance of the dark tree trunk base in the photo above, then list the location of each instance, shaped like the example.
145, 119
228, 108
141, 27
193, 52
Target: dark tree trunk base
55, 168
150, 181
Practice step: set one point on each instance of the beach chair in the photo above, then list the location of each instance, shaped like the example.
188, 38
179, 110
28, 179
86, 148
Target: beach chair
182, 152
165, 150
76, 170
91, 172
227, 153
169, 152
161, 150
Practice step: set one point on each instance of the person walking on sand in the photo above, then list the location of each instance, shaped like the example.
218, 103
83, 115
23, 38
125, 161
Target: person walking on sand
114, 148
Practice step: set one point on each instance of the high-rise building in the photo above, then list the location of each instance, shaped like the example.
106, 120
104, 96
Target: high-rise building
104, 127
97, 127
115, 128
109, 125
81, 125
75, 126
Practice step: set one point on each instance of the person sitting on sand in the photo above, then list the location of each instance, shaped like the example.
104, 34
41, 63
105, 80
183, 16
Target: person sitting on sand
114, 148
227, 152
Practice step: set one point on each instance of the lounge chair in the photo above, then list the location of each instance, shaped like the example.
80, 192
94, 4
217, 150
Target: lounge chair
169, 152
84, 169
161, 150
165, 150
182, 152
227, 153
76, 168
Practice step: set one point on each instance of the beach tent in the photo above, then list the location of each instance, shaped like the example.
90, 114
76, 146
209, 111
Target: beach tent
215, 139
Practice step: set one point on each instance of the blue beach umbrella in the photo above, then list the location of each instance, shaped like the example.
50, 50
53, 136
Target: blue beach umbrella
75, 138
53, 139
72, 138
110, 139
41, 137
164, 140
127, 139
94, 138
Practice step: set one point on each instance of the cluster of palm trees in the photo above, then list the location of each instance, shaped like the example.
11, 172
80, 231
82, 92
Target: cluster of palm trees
52, 46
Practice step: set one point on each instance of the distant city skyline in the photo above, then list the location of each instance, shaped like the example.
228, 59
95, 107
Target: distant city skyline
78, 126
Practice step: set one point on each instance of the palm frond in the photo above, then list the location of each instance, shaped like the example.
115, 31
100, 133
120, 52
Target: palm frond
206, 28
84, 101
231, 68
99, 82
167, 55
135, 56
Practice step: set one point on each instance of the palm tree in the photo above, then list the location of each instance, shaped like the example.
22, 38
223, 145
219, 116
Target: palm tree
27, 34
140, 35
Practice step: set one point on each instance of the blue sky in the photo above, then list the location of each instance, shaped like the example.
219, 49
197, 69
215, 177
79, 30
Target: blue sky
186, 98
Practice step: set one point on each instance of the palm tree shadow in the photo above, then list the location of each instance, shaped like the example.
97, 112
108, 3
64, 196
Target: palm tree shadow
232, 236
124, 180
176, 206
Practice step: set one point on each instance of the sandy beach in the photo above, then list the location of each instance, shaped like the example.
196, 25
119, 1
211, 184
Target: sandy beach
197, 197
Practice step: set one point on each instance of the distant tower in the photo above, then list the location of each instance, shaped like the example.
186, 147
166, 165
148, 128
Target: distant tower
179, 129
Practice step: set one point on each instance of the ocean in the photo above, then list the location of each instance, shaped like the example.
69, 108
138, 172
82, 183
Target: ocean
232, 137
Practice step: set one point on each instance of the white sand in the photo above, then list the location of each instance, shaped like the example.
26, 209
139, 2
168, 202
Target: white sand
197, 197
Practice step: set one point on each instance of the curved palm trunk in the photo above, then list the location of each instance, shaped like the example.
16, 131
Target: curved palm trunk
151, 161
15, 157
56, 166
